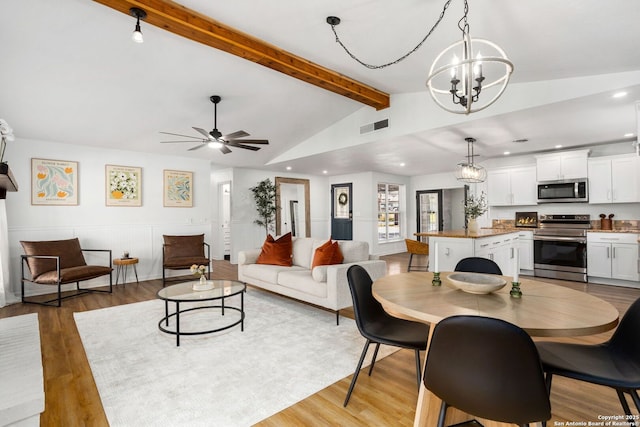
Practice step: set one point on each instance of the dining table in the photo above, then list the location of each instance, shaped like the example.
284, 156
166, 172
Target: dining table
543, 310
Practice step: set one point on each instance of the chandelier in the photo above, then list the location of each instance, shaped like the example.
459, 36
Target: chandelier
468, 171
463, 78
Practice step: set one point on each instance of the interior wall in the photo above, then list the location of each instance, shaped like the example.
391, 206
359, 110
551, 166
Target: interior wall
138, 230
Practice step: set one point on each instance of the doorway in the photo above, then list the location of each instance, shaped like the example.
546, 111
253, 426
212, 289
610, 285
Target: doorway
440, 210
341, 212
225, 218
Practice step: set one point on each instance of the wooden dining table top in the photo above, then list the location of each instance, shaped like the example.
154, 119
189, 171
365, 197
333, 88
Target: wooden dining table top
544, 310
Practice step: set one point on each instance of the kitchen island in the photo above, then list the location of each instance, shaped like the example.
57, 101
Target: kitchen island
453, 245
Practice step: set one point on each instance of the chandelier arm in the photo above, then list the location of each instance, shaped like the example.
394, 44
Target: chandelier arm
376, 67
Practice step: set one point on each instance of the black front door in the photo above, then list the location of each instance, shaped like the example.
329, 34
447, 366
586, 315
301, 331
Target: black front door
341, 212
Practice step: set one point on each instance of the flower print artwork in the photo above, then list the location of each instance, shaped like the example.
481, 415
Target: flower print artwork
54, 182
123, 185
178, 189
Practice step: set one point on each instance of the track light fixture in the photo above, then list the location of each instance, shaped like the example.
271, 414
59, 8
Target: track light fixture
139, 14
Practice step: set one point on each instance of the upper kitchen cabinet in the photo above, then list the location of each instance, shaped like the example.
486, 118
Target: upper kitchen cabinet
512, 186
561, 166
614, 179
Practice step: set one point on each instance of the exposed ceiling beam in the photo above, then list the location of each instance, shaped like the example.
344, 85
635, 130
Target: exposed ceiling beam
187, 23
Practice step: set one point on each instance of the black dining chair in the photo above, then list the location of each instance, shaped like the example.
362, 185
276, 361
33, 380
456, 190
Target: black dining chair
379, 327
615, 363
487, 368
478, 265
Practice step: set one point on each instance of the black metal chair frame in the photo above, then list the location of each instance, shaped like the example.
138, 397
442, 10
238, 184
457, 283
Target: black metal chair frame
619, 338
449, 364
370, 340
59, 283
180, 278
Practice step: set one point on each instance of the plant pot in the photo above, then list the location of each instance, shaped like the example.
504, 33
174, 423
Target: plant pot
472, 225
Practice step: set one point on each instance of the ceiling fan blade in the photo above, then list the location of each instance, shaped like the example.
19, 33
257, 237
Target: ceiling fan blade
236, 134
177, 134
246, 147
251, 141
197, 147
170, 142
225, 149
204, 132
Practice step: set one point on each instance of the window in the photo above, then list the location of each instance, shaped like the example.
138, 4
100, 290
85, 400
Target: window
388, 212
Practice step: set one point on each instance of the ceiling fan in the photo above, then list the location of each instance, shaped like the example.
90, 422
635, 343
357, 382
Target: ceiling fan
215, 139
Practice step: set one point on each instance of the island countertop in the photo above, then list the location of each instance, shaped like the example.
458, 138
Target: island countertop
465, 234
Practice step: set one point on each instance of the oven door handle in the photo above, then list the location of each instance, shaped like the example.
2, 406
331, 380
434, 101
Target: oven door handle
561, 239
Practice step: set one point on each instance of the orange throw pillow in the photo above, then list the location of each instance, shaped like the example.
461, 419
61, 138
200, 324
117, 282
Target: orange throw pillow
327, 254
277, 252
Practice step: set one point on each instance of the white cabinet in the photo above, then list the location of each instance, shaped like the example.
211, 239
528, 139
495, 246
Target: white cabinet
558, 166
525, 250
613, 255
500, 249
450, 250
512, 187
614, 179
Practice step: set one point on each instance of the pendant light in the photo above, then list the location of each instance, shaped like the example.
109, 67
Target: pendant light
139, 14
467, 170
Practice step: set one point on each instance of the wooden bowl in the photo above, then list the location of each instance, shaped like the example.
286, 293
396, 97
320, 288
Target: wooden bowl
475, 283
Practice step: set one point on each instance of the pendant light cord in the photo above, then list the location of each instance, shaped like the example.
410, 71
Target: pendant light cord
375, 67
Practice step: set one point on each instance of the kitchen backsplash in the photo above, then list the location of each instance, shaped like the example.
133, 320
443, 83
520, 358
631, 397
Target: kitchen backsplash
623, 224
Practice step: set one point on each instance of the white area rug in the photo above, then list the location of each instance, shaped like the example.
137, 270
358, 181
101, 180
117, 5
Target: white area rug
288, 351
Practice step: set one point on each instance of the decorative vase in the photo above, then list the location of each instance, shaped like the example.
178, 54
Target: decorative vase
472, 225
203, 280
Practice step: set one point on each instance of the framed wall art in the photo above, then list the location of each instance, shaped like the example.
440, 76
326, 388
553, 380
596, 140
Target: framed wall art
178, 189
54, 182
123, 185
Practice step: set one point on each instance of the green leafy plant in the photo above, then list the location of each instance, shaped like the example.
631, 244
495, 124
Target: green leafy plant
475, 206
264, 195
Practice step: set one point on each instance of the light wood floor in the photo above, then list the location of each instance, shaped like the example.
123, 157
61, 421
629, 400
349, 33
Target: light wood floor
387, 398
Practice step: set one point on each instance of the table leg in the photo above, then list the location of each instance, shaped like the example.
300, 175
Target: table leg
124, 275
241, 311
222, 303
177, 324
135, 270
166, 313
118, 269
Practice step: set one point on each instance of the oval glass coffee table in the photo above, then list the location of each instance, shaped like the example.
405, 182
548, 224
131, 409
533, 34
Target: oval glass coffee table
184, 293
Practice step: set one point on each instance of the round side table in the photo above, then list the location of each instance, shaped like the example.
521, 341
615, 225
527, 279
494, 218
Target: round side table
121, 267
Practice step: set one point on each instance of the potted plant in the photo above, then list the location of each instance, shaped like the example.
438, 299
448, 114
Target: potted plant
264, 195
474, 206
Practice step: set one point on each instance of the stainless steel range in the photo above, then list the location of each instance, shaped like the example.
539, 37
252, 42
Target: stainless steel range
560, 247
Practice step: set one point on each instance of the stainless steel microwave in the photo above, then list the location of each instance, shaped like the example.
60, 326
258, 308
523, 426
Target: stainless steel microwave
563, 191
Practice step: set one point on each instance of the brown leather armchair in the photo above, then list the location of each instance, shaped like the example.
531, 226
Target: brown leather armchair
58, 262
181, 252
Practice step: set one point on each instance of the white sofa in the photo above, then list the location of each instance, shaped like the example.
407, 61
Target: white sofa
325, 286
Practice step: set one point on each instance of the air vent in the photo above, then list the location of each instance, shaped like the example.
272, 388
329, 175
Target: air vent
374, 126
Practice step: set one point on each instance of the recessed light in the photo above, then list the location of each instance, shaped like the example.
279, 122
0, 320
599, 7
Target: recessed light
627, 135
558, 146
288, 168
620, 94
506, 153
402, 164
324, 171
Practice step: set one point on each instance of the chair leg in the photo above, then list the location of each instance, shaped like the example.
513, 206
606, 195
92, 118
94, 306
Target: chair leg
636, 399
355, 374
623, 402
373, 359
418, 368
443, 413
337, 317
410, 259
547, 381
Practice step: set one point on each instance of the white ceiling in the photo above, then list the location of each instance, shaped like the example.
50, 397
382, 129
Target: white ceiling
70, 73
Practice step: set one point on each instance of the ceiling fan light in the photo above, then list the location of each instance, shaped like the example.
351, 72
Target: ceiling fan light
215, 144
137, 35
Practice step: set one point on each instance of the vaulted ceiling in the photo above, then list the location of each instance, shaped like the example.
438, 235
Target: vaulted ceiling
70, 73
